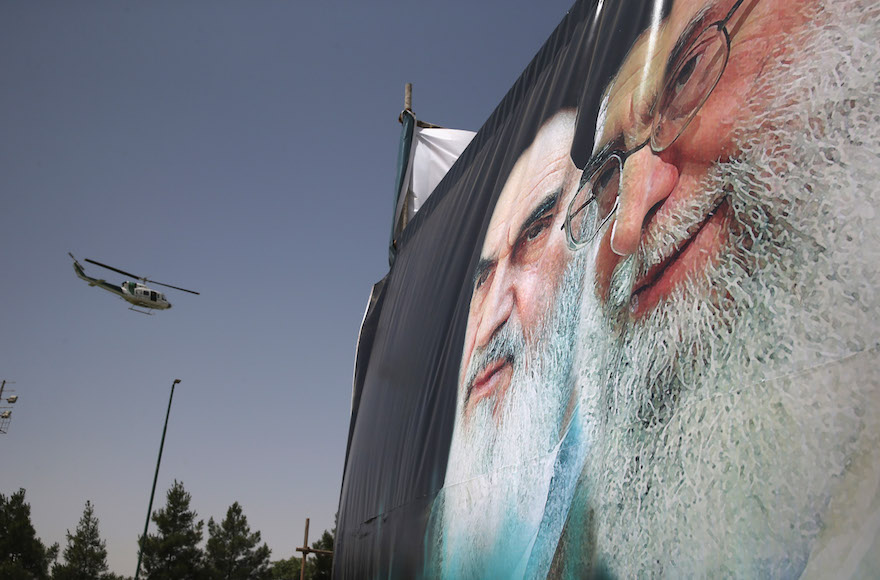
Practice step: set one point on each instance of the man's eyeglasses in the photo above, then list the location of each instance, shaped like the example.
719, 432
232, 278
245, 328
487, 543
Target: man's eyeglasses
693, 78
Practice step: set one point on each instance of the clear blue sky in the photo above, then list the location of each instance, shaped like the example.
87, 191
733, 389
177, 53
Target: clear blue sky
242, 149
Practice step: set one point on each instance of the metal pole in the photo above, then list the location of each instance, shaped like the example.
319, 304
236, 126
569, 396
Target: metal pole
137, 571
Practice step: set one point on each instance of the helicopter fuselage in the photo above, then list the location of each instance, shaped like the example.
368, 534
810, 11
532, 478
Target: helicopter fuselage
134, 293
141, 295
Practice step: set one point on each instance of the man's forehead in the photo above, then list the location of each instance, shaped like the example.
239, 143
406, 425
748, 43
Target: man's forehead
637, 77
640, 77
541, 169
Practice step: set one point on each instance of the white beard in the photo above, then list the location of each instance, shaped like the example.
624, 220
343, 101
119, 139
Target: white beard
745, 399
488, 513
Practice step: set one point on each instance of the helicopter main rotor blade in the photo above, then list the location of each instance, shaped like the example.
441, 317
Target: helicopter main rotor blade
136, 277
175, 287
123, 272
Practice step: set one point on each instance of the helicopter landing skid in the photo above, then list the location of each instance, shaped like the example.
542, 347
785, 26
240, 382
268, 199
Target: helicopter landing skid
147, 312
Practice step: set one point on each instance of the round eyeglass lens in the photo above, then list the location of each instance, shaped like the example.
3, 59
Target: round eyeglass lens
689, 85
594, 202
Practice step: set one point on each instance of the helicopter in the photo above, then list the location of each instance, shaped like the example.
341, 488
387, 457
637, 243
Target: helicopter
135, 293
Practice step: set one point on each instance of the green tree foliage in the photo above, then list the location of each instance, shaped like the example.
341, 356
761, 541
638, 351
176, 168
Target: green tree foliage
233, 552
323, 562
22, 555
85, 555
288, 569
173, 552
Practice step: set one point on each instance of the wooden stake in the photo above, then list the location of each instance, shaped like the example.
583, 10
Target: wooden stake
306, 551
302, 572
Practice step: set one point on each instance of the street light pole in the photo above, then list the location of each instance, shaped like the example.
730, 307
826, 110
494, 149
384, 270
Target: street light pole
137, 571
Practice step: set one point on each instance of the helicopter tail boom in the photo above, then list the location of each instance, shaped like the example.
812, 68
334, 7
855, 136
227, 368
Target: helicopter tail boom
81, 273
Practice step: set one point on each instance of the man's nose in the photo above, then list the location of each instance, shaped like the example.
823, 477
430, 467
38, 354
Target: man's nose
646, 181
497, 307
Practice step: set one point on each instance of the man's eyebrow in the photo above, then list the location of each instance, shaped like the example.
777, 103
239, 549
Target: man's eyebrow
546, 205
697, 24
599, 157
615, 144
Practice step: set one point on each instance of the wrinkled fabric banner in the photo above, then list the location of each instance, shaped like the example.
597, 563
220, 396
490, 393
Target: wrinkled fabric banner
634, 331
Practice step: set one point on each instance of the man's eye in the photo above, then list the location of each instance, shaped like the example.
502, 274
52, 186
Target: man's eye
686, 71
601, 182
482, 278
530, 245
537, 228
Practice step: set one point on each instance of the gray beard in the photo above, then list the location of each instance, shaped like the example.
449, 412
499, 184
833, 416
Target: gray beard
500, 466
722, 423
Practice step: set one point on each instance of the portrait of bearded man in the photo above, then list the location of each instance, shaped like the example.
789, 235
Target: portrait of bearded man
729, 222
515, 392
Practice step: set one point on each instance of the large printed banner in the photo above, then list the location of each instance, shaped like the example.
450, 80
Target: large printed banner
635, 330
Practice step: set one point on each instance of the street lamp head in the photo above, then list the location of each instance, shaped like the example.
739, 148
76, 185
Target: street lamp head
176, 381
